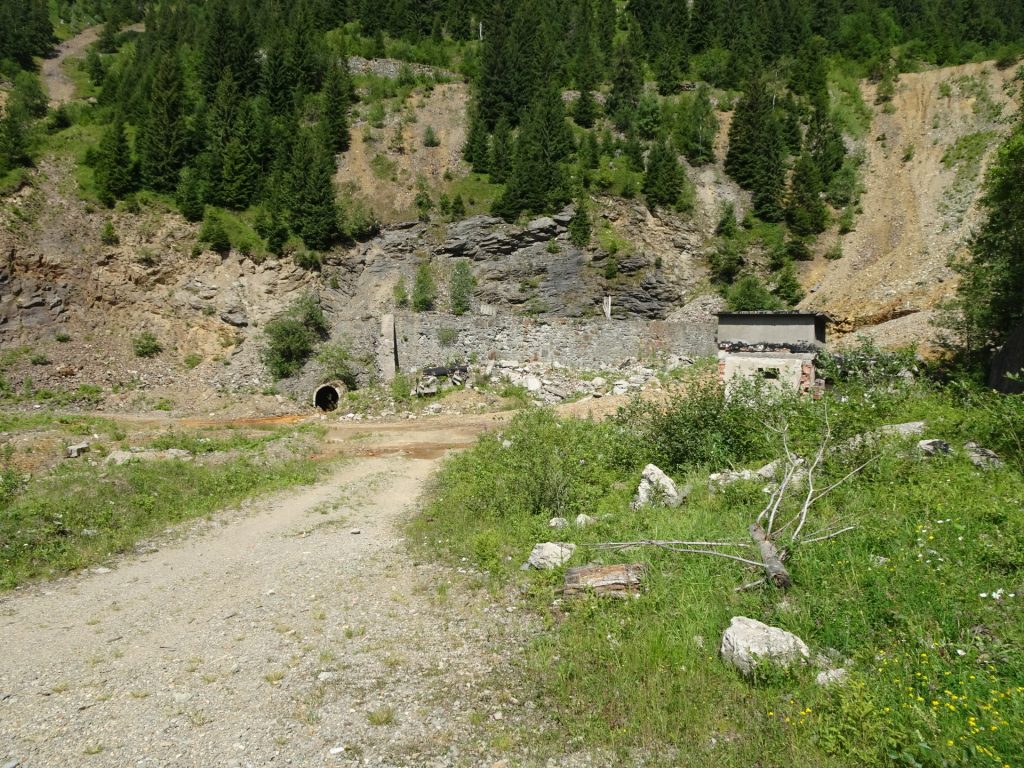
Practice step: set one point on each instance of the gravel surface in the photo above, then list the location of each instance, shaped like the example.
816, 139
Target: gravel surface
296, 631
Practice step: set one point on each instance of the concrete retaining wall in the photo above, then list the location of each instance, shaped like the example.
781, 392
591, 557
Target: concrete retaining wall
426, 339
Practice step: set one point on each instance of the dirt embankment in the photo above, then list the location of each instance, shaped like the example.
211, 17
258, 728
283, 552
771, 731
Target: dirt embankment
925, 157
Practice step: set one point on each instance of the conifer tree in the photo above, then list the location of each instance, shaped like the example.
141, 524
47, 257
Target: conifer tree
590, 152
700, 129
189, 194
805, 211
314, 212
787, 286
502, 146
663, 181
461, 288
476, 151
579, 224
13, 139
538, 181
115, 169
335, 114
768, 182
627, 83
162, 141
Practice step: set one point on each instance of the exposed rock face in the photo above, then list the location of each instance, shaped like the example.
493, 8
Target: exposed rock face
747, 643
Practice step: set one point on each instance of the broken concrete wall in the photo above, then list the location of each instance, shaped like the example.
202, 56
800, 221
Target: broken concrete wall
425, 339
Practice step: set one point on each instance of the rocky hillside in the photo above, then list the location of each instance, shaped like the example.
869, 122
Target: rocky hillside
73, 305
925, 157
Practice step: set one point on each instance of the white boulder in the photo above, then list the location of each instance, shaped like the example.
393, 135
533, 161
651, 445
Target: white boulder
748, 642
656, 486
549, 555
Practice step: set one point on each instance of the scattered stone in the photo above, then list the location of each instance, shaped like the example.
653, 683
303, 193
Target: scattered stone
532, 384
656, 486
583, 521
558, 522
101, 569
324, 677
355, 531
746, 643
730, 476
427, 386
74, 451
878, 561
549, 555
337, 750
934, 447
829, 677
980, 457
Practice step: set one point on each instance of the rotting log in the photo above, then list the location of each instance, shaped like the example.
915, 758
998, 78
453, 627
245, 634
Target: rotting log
774, 570
604, 580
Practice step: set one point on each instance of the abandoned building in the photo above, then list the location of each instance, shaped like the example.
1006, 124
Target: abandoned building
772, 346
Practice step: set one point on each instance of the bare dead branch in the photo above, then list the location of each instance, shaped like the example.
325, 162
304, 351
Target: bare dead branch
825, 537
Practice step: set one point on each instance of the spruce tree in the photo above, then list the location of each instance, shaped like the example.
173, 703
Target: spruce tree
627, 82
502, 146
335, 109
115, 169
461, 288
590, 152
805, 211
700, 129
579, 224
189, 194
663, 181
538, 180
768, 182
13, 139
787, 285
476, 151
162, 141
314, 212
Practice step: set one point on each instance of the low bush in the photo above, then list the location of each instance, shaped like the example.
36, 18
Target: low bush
146, 345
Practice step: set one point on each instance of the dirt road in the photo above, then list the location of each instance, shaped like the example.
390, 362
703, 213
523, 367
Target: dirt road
59, 86
295, 631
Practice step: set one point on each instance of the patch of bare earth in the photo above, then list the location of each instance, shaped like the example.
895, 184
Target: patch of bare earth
388, 185
917, 213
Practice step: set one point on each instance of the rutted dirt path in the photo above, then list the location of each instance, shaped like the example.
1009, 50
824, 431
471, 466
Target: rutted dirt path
59, 86
275, 634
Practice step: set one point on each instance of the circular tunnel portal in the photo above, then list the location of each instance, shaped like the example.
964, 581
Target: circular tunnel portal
327, 396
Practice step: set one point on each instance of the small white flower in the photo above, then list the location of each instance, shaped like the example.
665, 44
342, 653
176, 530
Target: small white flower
983, 594
961, 652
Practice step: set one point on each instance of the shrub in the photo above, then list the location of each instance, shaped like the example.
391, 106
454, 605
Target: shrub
401, 293
461, 288
108, 235
424, 289
192, 360
430, 138
146, 345
292, 337
749, 294
308, 260
447, 336
336, 360
215, 235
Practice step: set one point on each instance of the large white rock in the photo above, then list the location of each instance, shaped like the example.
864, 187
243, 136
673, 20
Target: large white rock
748, 642
654, 486
550, 554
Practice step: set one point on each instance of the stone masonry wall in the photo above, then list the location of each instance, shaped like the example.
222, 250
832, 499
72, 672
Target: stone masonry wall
428, 339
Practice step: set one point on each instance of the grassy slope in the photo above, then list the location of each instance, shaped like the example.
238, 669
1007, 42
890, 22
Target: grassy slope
935, 660
81, 514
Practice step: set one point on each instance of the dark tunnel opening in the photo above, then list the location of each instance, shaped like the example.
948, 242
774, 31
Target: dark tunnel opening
326, 397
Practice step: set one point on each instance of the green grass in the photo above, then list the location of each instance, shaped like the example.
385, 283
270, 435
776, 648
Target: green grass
81, 514
852, 116
966, 152
936, 663
478, 193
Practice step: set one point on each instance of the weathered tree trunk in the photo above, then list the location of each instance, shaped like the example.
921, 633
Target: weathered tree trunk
607, 580
774, 570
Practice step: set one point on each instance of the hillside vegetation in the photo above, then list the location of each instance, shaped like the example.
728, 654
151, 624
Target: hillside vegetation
919, 601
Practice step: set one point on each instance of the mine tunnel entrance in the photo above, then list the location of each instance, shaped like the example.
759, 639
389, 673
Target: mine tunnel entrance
327, 397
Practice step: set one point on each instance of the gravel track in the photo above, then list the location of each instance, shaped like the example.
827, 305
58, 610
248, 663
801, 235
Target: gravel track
272, 635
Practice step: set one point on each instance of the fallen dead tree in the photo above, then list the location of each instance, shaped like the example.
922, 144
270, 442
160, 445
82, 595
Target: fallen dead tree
781, 524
